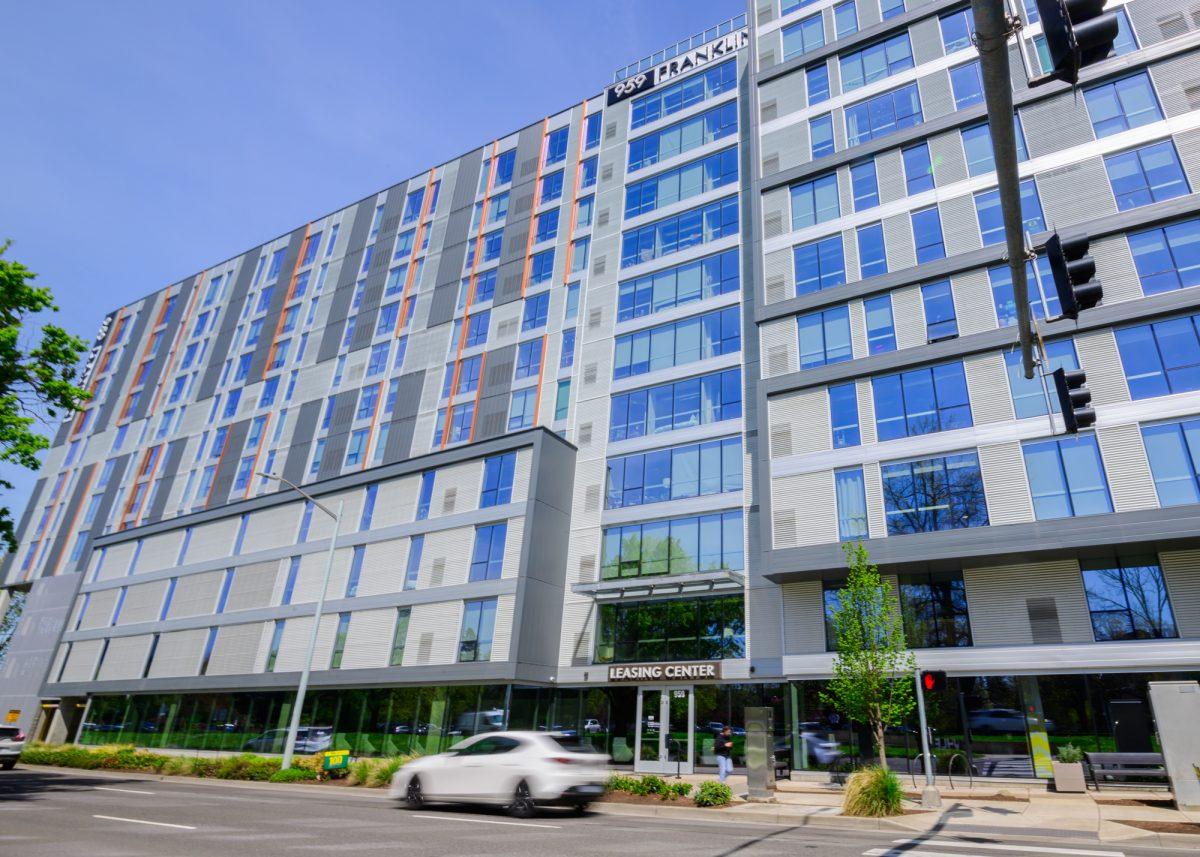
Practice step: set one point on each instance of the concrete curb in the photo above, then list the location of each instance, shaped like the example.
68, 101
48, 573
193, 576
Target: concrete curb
759, 816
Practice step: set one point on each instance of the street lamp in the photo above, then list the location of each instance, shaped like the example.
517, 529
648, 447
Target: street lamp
289, 748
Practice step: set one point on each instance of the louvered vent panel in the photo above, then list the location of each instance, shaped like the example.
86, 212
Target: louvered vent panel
437, 571
585, 434
595, 317
425, 648
781, 441
1043, 619
591, 502
449, 500
769, 110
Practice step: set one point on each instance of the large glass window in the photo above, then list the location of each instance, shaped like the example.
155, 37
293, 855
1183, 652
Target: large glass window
927, 234
881, 329
820, 133
816, 80
921, 401
678, 546
815, 201
918, 169
399, 636
977, 144
708, 173
991, 220
1119, 105
487, 559
824, 337
843, 414
1145, 175
1043, 298
934, 610
694, 470
683, 136
876, 61
851, 495
966, 81
672, 234
885, 113
522, 409
678, 630
864, 184
1174, 452
671, 287
680, 404
679, 343
478, 627
932, 494
941, 321
1167, 257
497, 480
1028, 394
692, 90
819, 265
1160, 358
872, 252
804, 36
845, 19
1127, 599
1066, 477
957, 30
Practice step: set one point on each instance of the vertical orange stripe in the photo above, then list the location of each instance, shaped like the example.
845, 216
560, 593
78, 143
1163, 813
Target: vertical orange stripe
575, 193
286, 301
180, 335
73, 525
262, 441
537, 189
145, 350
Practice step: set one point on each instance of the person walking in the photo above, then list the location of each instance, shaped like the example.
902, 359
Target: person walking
725, 753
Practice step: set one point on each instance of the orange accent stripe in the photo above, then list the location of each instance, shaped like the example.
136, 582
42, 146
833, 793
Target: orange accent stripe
379, 397
575, 193
180, 335
541, 374
283, 311
537, 189
75, 519
145, 350
137, 480
262, 441
411, 274
478, 396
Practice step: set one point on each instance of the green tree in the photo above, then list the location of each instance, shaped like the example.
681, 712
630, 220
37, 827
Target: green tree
9, 619
37, 379
873, 670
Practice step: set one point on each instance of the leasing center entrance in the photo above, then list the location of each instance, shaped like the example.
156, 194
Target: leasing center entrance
666, 712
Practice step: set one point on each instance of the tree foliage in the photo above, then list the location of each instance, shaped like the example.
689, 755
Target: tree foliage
37, 378
9, 619
873, 670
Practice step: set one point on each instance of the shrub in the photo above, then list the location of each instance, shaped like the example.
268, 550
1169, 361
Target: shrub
293, 775
1069, 753
650, 785
873, 792
621, 783
675, 791
713, 793
381, 775
360, 771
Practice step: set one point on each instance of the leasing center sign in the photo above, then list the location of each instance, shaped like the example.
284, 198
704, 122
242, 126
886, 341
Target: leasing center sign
690, 671
719, 49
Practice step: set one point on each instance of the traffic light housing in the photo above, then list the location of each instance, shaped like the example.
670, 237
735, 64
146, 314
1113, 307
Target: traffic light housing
1074, 399
1073, 271
933, 681
1078, 33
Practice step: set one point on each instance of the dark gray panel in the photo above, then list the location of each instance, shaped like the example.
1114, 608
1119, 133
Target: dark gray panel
344, 404
516, 230
334, 454
508, 282
442, 304
408, 394
466, 181
133, 347
529, 152
64, 431
258, 363
392, 210
498, 373
339, 306
364, 213
404, 418
6, 565
491, 420
302, 435
170, 468
229, 321
399, 440
228, 465
154, 376
105, 508
67, 529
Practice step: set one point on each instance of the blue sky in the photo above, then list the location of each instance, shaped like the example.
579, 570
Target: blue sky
147, 140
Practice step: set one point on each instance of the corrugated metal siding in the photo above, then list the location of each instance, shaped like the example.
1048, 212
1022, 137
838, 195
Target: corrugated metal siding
779, 275
889, 170
236, 648
178, 653
1171, 80
936, 98
1005, 483
873, 488
125, 658
396, 502
369, 639
1182, 572
512, 547
988, 382
908, 315
996, 598
948, 158
100, 609
1055, 124
433, 631
1114, 268
159, 552
1076, 193
210, 541
898, 242
973, 302
143, 603
81, 662
1188, 145
1129, 480
1099, 358
253, 586
803, 618
799, 423
780, 347
775, 212
272, 528
383, 567
786, 148
195, 594
502, 635
803, 507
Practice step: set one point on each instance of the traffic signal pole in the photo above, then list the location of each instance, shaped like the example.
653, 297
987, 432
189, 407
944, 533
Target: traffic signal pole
992, 29
931, 798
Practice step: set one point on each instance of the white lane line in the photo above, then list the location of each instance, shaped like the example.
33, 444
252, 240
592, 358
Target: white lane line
142, 821
944, 843
487, 821
127, 791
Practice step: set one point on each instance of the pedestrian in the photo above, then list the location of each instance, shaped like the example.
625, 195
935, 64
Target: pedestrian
725, 752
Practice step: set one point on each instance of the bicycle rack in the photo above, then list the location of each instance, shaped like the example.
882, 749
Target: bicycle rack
966, 765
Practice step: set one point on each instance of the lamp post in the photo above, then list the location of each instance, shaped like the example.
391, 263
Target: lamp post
289, 748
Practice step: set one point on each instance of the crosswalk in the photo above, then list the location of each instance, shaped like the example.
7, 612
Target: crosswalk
959, 848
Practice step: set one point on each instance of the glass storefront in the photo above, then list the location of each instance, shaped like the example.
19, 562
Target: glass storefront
999, 726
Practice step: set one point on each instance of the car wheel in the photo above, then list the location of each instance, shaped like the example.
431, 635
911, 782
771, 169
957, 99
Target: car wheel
580, 808
413, 798
522, 803
8, 764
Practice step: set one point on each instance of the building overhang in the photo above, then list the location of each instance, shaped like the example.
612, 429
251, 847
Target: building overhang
639, 588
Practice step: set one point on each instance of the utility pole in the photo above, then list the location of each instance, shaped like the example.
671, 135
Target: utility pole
931, 798
992, 29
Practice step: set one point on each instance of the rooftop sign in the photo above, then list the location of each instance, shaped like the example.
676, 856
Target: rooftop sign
725, 46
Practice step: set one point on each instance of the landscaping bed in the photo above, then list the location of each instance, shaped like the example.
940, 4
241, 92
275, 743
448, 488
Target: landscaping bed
1192, 827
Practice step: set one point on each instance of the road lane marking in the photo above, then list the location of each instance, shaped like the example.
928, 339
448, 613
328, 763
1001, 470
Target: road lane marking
143, 821
127, 791
943, 843
488, 821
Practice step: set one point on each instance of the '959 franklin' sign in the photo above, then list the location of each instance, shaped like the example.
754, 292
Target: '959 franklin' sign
718, 49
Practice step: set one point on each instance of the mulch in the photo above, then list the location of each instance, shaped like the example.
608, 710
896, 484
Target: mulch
1192, 827
626, 797
1162, 802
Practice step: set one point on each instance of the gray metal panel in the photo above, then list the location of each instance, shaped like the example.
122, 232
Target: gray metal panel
403, 424
66, 531
229, 463
132, 348
170, 468
508, 282
344, 404
258, 363
168, 338
392, 211
229, 322
498, 374
443, 302
466, 181
529, 152
306, 425
491, 420
333, 455
6, 565
364, 213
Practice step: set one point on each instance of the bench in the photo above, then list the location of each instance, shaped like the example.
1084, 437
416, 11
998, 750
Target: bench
1121, 766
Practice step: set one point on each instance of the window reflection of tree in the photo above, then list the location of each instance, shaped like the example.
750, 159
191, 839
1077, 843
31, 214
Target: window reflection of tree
934, 494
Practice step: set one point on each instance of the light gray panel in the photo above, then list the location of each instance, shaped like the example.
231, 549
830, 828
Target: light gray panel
508, 282
926, 38
171, 462
498, 373
1055, 124
936, 97
1075, 193
66, 530
229, 322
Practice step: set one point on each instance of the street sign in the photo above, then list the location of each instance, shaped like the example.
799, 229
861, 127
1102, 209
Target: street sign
14, 714
335, 760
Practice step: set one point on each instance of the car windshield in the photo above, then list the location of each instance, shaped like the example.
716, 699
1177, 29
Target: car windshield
9, 732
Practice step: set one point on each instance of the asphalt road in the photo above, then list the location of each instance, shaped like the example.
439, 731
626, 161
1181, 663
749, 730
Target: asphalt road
66, 814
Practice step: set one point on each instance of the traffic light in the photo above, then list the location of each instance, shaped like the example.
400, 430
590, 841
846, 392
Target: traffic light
1078, 33
933, 681
1073, 399
1073, 271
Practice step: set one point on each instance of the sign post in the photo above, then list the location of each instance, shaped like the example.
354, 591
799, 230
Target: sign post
930, 797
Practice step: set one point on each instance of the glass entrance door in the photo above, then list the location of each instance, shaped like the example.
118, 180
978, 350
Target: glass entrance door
664, 730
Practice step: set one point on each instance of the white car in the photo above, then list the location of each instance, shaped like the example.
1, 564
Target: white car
12, 741
518, 770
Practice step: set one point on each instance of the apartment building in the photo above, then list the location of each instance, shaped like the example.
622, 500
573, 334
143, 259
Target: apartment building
600, 401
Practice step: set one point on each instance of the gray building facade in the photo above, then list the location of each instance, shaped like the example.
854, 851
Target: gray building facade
603, 398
